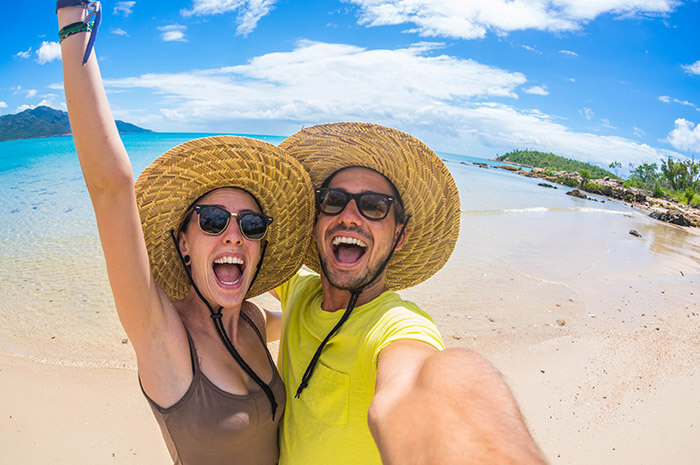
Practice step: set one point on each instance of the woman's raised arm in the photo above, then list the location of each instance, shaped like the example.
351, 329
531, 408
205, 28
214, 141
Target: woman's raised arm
109, 179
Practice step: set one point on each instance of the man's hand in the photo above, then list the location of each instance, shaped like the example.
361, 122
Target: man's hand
455, 409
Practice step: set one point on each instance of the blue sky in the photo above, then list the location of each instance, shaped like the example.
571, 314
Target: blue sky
596, 80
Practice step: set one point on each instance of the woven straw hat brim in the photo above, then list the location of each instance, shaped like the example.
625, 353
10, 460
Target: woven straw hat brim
426, 187
168, 187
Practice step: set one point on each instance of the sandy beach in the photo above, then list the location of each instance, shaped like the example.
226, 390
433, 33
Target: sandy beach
595, 330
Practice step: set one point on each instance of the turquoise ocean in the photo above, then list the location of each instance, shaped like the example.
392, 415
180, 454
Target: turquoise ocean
55, 302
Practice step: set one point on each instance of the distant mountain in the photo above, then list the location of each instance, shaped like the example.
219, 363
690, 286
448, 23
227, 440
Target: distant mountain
45, 122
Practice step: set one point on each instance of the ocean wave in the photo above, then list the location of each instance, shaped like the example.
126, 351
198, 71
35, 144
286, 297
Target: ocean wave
529, 210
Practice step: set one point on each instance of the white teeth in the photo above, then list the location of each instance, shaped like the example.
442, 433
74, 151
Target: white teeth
229, 260
348, 240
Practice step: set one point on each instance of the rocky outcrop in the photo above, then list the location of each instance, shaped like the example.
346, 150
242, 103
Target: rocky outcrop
508, 168
671, 217
614, 190
668, 210
577, 193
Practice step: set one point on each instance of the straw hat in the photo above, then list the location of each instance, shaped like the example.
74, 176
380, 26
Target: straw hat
427, 189
171, 184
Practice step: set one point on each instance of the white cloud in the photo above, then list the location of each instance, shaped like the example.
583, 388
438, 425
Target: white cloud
49, 51
173, 33
587, 113
532, 49
24, 54
638, 132
44, 102
667, 99
31, 93
606, 123
119, 31
172, 115
473, 19
123, 8
568, 52
249, 11
685, 102
249, 17
537, 90
692, 68
685, 136
442, 100
16, 89
3, 104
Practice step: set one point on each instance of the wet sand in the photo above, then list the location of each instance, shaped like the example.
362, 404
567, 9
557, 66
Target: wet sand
595, 330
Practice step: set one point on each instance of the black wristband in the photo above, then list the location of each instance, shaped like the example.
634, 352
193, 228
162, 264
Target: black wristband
65, 3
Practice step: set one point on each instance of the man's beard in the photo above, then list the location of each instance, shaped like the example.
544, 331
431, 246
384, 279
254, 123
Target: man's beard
356, 282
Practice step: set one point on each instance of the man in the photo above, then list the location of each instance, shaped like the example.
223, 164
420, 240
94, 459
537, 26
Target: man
360, 363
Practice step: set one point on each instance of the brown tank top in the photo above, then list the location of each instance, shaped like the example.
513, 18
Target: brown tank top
209, 426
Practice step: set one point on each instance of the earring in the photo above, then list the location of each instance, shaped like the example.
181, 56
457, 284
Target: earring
187, 260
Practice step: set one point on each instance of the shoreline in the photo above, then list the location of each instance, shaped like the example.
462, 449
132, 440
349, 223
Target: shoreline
611, 189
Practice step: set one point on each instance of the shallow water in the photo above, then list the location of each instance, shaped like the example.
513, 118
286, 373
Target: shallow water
519, 242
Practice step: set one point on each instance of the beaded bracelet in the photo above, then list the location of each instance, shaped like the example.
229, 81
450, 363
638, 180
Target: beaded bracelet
74, 28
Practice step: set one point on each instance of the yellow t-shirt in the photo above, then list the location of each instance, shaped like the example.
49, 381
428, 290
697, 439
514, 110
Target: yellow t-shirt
328, 423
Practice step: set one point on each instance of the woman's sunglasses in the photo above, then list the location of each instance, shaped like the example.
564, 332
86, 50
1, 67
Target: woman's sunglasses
372, 205
214, 220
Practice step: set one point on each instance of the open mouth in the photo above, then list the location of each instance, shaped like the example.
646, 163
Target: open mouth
348, 250
229, 270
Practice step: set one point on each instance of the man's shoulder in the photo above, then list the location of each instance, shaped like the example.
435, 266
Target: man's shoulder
391, 299
304, 282
400, 319
393, 311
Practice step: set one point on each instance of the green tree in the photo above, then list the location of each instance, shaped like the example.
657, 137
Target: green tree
682, 176
673, 173
585, 176
646, 174
615, 166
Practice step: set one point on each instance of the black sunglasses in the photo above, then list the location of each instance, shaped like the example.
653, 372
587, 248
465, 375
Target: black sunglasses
372, 205
214, 220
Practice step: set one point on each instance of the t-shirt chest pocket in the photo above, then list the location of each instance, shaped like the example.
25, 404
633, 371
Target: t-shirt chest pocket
328, 395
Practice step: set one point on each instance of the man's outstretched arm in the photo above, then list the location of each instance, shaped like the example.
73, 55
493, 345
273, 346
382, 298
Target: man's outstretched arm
448, 407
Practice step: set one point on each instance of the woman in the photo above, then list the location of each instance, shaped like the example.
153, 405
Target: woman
208, 224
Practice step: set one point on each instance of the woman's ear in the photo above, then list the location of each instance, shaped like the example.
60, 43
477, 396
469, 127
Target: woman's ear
184, 248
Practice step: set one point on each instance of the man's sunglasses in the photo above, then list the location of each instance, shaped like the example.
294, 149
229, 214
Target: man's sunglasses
214, 220
372, 205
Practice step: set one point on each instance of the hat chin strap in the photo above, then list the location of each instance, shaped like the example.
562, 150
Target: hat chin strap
216, 317
354, 296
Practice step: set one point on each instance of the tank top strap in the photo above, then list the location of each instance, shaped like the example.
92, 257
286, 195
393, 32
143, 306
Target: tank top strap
250, 322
